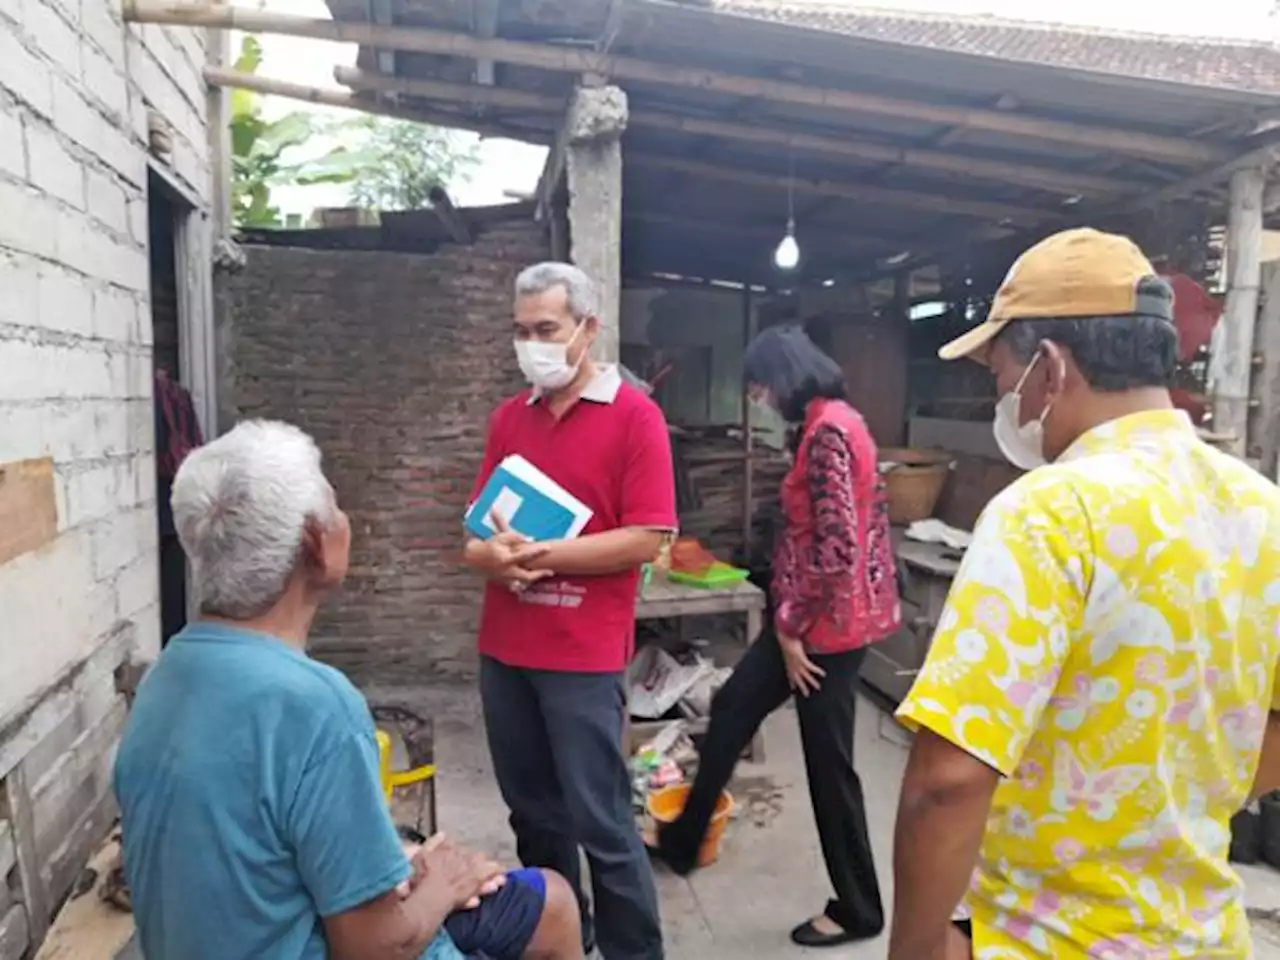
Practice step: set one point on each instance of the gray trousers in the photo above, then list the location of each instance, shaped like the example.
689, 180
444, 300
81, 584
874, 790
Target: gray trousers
556, 742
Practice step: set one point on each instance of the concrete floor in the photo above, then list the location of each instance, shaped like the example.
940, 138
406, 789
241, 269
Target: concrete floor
770, 875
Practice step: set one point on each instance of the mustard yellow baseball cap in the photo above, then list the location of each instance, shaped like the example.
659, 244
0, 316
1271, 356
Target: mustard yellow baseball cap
1075, 273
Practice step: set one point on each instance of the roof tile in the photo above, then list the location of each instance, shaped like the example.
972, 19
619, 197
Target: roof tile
1208, 62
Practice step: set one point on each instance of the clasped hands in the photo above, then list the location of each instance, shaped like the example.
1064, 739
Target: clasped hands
507, 554
462, 875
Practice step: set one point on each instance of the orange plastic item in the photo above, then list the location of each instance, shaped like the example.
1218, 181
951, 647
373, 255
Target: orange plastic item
665, 805
690, 556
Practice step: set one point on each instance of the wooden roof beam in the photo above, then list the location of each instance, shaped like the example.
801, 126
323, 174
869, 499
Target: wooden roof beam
846, 242
887, 196
1259, 149
1068, 183
622, 68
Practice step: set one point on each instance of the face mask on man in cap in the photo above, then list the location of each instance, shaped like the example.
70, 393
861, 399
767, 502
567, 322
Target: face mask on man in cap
1022, 443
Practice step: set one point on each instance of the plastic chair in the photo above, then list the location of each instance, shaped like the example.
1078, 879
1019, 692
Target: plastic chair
419, 779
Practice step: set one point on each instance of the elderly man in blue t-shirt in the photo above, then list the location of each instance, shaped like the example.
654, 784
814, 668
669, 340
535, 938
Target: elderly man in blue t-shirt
254, 821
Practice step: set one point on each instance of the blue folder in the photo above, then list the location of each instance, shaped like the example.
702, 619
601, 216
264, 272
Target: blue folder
532, 504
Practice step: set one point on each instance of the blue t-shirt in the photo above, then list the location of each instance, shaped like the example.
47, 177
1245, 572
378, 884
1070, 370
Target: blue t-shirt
250, 799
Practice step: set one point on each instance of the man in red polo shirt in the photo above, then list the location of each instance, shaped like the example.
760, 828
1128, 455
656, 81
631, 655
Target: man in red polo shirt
558, 624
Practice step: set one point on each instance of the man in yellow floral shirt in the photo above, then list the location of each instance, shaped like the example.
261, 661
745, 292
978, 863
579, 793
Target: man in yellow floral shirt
1095, 703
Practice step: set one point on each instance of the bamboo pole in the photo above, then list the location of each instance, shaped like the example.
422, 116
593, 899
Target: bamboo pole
1231, 366
1065, 182
865, 193
371, 82
346, 100
583, 61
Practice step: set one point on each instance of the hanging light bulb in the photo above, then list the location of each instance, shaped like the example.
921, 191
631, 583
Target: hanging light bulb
787, 256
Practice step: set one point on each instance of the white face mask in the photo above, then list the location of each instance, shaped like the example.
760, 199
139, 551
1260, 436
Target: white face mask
546, 365
1021, 443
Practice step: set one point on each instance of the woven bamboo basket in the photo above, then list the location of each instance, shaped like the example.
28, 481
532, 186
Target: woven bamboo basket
913, 481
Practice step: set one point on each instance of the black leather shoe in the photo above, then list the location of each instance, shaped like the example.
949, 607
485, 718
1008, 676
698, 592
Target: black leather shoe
807, 935
679, 860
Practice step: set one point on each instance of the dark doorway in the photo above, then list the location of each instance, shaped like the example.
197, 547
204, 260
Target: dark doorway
175, 427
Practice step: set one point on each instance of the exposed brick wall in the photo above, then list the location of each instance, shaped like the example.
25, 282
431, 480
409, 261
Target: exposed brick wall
76, 85
393, 362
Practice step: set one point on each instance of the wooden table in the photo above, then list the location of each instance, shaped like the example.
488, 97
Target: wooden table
891, 665
661, 599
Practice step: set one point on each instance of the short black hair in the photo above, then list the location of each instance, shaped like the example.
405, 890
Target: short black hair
792, 367
1113, 353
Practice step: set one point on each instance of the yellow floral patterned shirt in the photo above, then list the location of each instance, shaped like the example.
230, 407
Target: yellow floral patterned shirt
1110, 646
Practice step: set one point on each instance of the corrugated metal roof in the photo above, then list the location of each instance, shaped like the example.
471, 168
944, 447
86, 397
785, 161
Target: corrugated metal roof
1208, 62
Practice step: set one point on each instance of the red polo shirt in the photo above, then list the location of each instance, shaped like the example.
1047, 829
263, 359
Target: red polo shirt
612, 451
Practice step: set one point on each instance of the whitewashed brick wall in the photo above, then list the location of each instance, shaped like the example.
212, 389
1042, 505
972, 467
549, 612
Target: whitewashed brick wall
76, 85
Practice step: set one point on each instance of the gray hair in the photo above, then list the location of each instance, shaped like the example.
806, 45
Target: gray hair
579, 289
240, 505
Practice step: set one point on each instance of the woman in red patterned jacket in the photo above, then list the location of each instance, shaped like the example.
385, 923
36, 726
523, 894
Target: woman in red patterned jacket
834, 591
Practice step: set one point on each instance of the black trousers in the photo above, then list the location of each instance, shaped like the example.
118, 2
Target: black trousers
556, 741
173, 587
758, 687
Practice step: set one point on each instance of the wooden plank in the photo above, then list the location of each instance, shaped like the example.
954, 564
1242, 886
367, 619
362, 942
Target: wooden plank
580, 61
932, 558
75, 782
484, 24
28, 507
664, 599
87, 928
96, 701
450, 216
67, 861
64, 697
15, 933
31, 887
8, 854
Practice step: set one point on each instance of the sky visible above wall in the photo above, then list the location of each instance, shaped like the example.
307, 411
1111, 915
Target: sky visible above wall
509, 166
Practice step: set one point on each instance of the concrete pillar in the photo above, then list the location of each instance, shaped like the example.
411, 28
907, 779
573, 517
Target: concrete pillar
1231, 365
593, 165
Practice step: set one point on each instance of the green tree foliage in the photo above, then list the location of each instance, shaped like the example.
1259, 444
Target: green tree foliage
403, 161
259, 148
390, 164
